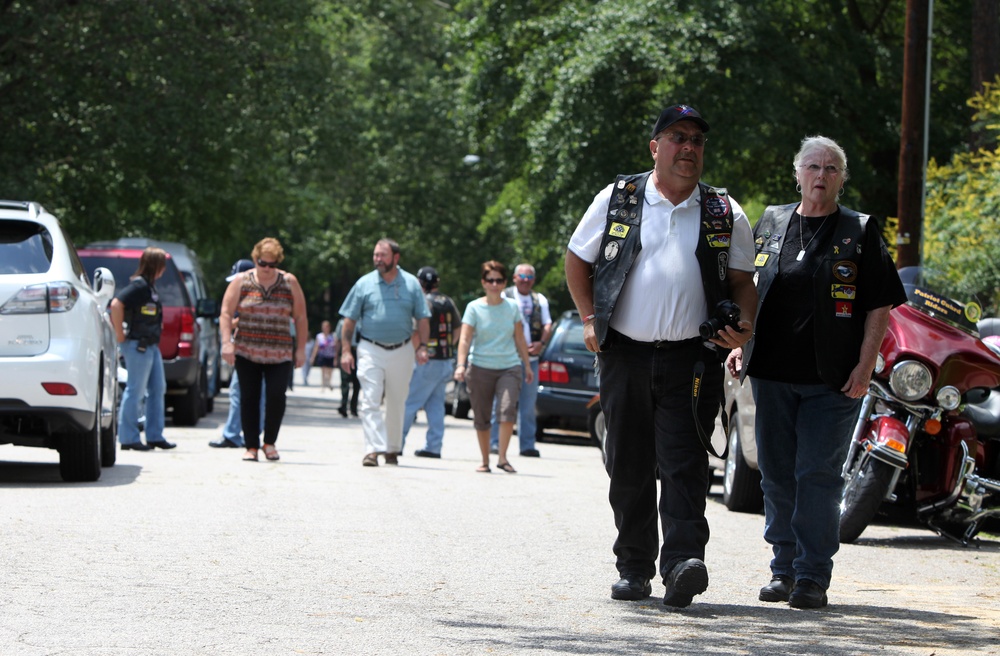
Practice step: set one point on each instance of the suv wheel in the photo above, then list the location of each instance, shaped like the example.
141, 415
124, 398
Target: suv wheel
187, 408
80, 453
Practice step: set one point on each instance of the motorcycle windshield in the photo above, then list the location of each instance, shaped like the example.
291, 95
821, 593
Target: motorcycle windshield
925, 291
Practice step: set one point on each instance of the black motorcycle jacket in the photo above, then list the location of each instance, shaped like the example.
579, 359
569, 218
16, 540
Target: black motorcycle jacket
444, 316
536, 313
839, 324
620, 245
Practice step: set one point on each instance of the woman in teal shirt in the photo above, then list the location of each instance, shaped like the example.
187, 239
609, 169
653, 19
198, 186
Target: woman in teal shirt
491, 350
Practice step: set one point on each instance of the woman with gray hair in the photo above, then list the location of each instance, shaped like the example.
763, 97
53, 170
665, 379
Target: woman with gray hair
825, 284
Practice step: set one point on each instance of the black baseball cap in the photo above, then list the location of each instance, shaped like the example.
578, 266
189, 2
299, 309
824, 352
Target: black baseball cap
239, 267
675, 113
427, 275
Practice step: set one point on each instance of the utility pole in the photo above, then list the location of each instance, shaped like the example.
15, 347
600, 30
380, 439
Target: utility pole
912, 132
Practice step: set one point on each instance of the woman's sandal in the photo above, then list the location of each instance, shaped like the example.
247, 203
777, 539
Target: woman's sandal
506, 466
250, 455
483, 469
270, 452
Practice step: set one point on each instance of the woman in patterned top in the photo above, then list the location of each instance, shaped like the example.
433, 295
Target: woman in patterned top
263, 347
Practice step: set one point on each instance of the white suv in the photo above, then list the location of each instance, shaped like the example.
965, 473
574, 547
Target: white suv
58, 353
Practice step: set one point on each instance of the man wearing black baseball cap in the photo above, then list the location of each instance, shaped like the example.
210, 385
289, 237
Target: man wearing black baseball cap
427, 387
643, 300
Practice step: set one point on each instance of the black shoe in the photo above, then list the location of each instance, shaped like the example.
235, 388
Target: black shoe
161, 445
631, 587
391, 458
138, 446
807, 594
224, 443
531, 453
494, 450
687, 579
354, 413
778, 589
421, 453
343, 412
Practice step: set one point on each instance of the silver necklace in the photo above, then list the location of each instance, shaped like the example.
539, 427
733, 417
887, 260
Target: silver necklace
803, 247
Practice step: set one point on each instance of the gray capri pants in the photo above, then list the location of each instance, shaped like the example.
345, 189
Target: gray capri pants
484, 384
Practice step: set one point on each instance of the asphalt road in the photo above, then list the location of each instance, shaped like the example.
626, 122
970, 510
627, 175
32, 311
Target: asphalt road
193, 551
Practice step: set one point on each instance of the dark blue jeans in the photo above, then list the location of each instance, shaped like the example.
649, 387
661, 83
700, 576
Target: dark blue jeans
646, 398
803, 433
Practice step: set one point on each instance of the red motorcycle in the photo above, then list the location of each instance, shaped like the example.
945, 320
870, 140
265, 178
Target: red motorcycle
927, 441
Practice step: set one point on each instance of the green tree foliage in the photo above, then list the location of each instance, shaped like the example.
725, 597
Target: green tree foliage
962, 211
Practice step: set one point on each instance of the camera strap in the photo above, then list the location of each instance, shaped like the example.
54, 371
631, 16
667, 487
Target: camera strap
706, 440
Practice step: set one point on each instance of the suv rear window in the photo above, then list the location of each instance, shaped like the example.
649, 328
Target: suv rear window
25, 247
172, 290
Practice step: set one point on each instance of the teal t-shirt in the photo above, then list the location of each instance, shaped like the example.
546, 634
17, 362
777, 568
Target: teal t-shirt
493, 345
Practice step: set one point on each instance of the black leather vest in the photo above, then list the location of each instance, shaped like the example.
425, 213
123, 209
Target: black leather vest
620, 245
839, 323
145, 319
441, 345
535, 325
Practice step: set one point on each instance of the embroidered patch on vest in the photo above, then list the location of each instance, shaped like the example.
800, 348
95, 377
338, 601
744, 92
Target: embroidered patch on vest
719, 240
847, 292
844, 309
845, 271
723, 265
761, 259
716, 206
619, 229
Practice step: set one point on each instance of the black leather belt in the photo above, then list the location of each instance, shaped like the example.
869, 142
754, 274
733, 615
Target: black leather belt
387, 347
620, 338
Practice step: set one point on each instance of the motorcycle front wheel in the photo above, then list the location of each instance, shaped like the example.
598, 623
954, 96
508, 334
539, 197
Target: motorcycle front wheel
866, 486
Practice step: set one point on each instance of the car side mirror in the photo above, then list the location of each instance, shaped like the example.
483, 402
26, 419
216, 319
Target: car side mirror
104, 284
207, 307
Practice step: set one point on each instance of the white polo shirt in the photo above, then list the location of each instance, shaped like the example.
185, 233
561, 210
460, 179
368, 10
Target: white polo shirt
663, 297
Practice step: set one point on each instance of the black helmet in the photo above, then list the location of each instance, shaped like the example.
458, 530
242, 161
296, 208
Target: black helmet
428, 276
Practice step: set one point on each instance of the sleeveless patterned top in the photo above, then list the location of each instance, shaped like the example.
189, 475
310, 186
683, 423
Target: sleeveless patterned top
264, 333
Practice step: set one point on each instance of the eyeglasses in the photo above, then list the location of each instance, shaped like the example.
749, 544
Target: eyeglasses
493, 281
524, 276
267, 265
829, 169
680, 138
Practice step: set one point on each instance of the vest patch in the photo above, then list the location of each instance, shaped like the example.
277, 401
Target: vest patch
619, 229
611, 250
719, 240
716, 206
761, 259
845, 271
847, 292
844, 309
723, 264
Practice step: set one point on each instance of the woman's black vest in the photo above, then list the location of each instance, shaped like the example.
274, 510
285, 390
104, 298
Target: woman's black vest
839, 323
145, 319
620, 245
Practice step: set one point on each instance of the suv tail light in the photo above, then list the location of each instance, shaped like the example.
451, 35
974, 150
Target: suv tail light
184, 347
42, 298
552, 372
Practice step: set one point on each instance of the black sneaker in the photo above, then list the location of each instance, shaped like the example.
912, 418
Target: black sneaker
224, 443
531, 453
687, 579
422, 453
631, 587
162, 444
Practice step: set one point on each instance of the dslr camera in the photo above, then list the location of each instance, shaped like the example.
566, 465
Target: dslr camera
726, 313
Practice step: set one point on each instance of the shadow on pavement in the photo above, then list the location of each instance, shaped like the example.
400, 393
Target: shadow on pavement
28, 474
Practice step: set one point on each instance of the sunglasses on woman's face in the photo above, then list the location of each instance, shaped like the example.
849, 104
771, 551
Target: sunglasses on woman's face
267, 265
493, 281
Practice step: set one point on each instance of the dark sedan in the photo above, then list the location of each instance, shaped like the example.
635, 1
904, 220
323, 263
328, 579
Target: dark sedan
566, 377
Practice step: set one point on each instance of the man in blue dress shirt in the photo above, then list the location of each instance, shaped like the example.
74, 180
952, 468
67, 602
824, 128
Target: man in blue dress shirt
382, 306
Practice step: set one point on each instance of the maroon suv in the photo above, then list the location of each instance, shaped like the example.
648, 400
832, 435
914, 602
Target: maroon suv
179, 340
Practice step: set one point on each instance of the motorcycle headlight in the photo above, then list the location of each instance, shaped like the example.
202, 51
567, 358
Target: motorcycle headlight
910, 380
948, 397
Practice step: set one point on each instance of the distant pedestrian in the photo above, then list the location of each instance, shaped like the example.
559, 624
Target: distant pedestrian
491, 352
350, 387
429, 380
385, 303
324, 353
267, 299
138, 304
